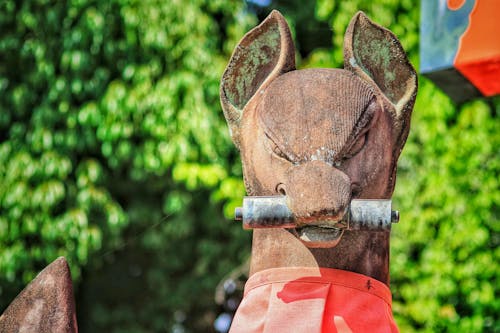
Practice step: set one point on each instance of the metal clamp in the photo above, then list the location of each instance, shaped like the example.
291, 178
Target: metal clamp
274, 212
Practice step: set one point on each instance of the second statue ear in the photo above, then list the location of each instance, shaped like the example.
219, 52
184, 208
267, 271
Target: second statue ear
263, 54
376, 55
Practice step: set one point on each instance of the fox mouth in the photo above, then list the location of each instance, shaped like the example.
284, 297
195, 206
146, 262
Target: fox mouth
319, 235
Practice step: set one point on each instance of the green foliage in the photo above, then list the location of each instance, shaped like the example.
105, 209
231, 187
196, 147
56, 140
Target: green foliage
446, 272
445, 251
114, 153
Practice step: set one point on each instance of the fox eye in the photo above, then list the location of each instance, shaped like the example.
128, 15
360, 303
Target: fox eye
278, 151
372, 113
357, 146
275, 149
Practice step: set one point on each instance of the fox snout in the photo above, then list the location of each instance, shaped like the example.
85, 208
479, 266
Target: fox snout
316, 190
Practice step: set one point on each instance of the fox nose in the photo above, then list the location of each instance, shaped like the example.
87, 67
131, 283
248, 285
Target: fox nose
316, 189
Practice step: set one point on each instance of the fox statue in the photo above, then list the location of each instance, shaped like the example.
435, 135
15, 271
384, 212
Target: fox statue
322, 137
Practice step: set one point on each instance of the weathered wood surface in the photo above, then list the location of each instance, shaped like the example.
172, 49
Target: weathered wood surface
46, 305
320, 136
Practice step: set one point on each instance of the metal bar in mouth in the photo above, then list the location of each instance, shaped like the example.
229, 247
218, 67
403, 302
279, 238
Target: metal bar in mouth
273, 212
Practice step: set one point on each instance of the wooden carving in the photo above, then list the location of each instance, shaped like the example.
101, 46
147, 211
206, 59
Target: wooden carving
46, 305
322, 137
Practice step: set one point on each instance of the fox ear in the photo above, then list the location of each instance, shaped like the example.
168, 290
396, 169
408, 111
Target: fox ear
376, 55
263, 54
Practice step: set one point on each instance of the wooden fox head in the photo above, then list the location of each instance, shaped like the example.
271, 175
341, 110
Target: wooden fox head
320, 136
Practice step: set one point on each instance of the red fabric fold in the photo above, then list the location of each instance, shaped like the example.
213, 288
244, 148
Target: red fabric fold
300, 299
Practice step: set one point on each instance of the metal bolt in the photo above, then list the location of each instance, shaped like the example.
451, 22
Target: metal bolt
238, 214
273, 212
395, 216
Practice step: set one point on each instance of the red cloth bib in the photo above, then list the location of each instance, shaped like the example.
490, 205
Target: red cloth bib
310, 300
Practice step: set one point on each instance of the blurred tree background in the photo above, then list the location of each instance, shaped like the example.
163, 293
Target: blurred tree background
114, 153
